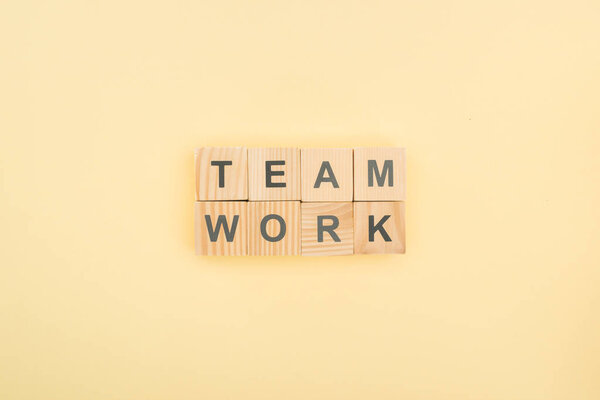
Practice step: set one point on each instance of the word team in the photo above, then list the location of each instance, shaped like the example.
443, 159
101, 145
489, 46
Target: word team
290, 201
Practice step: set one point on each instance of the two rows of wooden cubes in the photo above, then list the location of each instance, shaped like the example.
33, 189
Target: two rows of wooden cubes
354, 196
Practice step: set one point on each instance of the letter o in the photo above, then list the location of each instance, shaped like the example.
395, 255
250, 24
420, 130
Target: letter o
263, 228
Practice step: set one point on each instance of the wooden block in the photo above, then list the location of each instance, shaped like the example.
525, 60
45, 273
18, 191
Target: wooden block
326, 174
221, 173
379, 227
221, 228
379, 174
274, 174
274, 228
327, 229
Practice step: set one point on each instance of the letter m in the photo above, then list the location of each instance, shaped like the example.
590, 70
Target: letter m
213, 233
380, 177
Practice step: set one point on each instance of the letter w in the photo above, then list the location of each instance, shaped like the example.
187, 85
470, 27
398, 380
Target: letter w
213, 234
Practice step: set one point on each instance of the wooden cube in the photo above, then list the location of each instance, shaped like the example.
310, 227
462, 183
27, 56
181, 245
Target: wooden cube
221, 228
326, 174
274, 174
379, 227
327, 229
274, 228
379, 174
221, 173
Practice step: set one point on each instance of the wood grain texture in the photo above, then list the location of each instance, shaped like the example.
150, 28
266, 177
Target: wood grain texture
289, 245
393, 226
328, 246
257, 190
221, 247
235, 185
340, 161
395, 192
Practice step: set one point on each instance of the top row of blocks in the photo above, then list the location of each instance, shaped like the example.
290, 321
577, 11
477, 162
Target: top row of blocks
269, 174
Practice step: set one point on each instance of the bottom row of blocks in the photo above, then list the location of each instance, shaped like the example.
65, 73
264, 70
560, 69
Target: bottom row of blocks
279, 228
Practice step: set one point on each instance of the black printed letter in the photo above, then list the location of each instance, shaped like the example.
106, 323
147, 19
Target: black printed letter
263, 228
387, 170
221, 165
213, 234
378, 227
329, 228
270, 173
326, 167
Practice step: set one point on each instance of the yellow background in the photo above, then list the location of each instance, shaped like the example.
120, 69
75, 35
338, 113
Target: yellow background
102, 104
